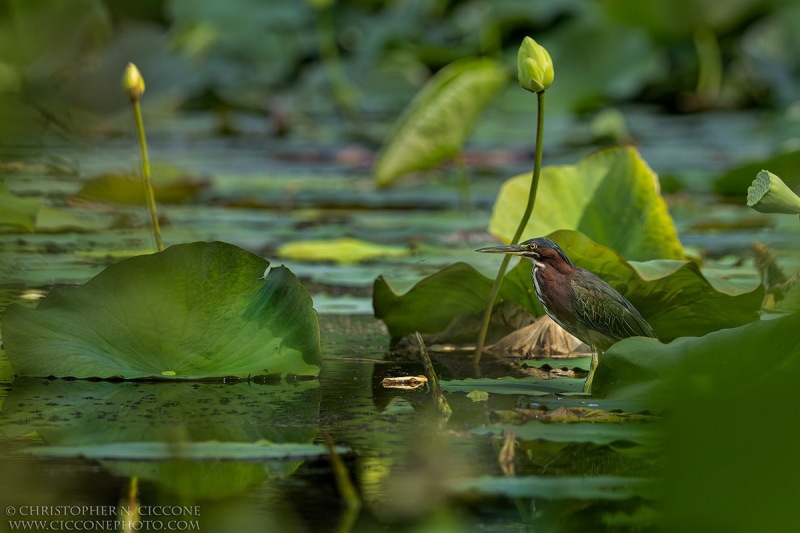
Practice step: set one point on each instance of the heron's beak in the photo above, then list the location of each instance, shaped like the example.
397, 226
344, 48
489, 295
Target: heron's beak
514, 249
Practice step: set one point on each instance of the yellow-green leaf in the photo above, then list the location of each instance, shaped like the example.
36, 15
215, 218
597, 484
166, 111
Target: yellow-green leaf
342, 251
611, 196
433, 127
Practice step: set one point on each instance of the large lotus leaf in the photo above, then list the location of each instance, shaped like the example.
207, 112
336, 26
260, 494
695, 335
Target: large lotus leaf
674, 296
644, 368
730, 427
196, 310
612, 196
431, 304
433, 127
17, 214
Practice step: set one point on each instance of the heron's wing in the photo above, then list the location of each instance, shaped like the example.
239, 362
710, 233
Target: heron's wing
601, 308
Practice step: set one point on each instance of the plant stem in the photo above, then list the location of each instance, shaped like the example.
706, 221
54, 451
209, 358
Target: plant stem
526, 216
149, 194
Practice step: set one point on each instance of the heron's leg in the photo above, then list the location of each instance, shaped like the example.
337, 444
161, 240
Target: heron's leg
587, 387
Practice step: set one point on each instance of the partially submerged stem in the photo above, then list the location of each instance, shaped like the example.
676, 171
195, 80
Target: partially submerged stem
526, 216
129, 505
443, 409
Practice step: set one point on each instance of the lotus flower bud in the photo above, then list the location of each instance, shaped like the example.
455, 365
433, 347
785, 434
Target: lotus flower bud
769, 194
133, 83
534, 66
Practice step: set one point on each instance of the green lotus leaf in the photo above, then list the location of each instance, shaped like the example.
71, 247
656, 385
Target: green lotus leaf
197, 310
674, 296
729, 396
644, 368
433, 127
612, 196
17, 214
431, 304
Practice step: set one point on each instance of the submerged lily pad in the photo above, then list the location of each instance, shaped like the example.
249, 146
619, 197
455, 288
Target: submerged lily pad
171, 186
194, 451
197, 310
612, 196
206, 440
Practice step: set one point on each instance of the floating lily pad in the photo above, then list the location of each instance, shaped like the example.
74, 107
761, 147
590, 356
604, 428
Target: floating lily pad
611, 196
343, 251
200, 310
557, 488
191, 451
171, 186
596, 433
507, 385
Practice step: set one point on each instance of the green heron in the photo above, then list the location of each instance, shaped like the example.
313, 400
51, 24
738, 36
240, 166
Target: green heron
577, 300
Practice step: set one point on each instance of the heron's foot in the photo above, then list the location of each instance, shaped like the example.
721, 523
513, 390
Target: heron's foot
587, 386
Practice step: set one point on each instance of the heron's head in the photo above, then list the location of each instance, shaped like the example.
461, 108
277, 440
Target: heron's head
538, 250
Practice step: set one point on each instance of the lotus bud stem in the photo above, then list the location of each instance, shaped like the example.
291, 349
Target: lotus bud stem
133, 85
